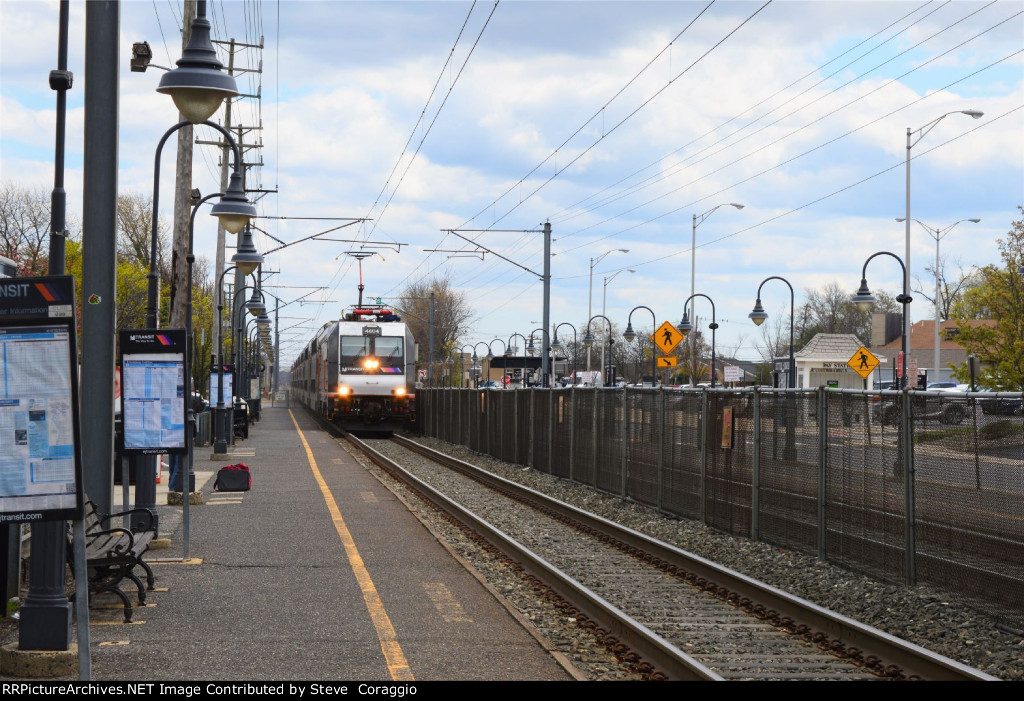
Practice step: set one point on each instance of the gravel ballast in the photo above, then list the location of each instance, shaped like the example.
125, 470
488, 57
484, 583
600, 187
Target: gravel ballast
927, 617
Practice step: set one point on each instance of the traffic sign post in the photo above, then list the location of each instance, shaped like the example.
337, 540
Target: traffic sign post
667, 337
863, 362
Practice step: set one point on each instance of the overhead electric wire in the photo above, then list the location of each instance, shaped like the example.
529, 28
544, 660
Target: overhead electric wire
566, 141
556, 218
680, 167
781, 215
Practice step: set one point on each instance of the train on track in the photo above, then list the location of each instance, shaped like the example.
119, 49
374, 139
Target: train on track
359, 372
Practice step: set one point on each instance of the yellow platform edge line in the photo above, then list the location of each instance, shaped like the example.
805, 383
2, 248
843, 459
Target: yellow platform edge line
398, 666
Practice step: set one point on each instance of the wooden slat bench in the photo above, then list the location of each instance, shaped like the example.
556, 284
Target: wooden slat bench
113, 553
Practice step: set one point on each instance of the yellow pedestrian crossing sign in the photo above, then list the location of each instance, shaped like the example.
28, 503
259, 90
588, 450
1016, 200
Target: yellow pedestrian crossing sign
863, 362
667, 337
668, 361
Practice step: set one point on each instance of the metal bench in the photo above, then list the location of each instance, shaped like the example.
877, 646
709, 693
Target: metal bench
112, 554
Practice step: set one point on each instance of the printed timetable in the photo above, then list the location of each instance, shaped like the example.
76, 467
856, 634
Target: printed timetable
153, 395
37, 438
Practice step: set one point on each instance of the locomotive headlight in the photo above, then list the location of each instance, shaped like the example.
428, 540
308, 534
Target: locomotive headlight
371, 363
399, 391
344, 391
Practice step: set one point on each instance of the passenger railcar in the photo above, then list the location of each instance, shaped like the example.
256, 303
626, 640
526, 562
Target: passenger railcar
359, 371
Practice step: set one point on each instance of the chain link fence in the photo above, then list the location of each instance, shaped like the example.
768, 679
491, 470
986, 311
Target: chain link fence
914, 487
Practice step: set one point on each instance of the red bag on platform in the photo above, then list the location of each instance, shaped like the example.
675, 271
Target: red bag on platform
233, 478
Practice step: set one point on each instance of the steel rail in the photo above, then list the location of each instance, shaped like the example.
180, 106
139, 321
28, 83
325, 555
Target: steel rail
652, 648
913, 660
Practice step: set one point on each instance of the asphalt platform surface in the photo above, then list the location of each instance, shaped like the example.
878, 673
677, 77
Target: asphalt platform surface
282, 585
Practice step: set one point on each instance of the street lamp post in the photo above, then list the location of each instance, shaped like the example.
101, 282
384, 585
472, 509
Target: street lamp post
532, 349
685, 327
588, 341
509, 351
697, 221
911, 141
590, 294
462, 361
504, 354
220, 447
604, 298
477, 363
629, 335
758, 316
557, 346
865, 300
937, 234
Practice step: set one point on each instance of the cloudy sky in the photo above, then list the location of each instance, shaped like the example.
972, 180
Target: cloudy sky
615, 121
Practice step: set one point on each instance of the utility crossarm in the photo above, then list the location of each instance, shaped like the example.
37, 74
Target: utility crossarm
504, 231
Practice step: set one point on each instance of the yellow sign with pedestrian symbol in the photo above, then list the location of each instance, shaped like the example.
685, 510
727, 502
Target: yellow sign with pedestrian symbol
667, 337
863, 362
668, 361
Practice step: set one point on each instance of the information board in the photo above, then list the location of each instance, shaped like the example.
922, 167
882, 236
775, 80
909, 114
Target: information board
153, 411
229, 378
40, 456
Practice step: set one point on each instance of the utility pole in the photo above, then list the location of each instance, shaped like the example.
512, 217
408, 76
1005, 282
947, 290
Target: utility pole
182, 201
545, 355
233, 48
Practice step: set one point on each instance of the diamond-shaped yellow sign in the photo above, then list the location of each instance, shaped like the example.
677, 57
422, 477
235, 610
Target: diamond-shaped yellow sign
863, 362
667, 337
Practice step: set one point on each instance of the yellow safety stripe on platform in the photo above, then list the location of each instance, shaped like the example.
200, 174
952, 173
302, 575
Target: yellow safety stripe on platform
397, 664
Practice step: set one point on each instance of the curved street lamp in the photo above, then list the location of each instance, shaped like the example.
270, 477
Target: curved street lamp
759, 315
685, 327
588, 341
590, 294
557, 346
504, 354
911, 142
509, 353
462, 362
198, 86
629, 335
476, 361
865, 300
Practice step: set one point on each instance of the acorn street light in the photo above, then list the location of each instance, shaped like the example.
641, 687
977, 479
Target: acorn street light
759, 315
588, 341
557, 346
685, 327
509, 352
198, 86
629, 335
590, 294
864, 300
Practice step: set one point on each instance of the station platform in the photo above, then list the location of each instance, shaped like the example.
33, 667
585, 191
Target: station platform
318, 573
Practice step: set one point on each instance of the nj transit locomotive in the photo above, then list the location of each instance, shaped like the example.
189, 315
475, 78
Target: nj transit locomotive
359, 372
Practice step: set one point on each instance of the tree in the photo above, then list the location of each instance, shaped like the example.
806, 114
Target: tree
25, 228
135, 229
951, 287
998, 296
829, 310
451, 315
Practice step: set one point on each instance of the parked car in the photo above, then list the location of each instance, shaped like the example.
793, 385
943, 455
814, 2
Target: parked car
491, 384
934, 406
1002, 406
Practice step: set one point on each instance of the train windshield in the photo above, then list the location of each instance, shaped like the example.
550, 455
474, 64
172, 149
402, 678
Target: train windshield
388, 350
353, 350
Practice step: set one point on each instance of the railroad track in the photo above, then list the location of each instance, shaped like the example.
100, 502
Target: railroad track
672, 614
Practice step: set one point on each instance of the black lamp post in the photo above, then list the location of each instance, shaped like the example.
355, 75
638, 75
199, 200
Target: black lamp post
759, 315
532, 349
588, 341
509, 352
686, 327
462, 363
220, 446
557, 346
629, 335
476, 361
865, 300
504, 354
